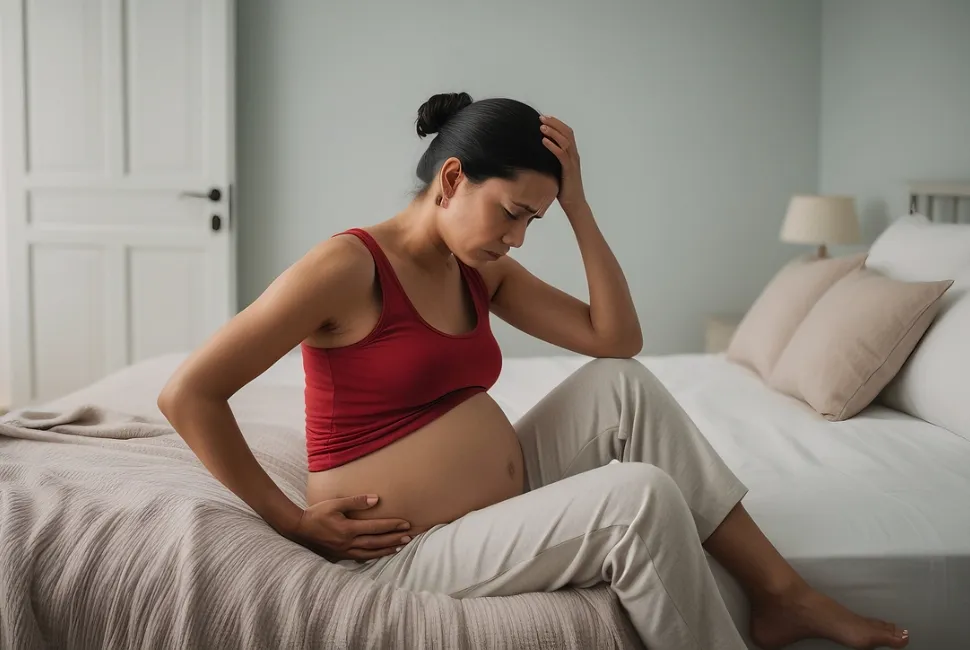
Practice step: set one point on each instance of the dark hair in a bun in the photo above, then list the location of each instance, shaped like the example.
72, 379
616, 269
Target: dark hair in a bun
435, 112
493, 138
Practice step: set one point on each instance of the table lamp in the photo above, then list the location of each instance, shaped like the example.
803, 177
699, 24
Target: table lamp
821, 220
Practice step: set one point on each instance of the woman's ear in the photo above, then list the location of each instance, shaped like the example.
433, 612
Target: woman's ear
449, 178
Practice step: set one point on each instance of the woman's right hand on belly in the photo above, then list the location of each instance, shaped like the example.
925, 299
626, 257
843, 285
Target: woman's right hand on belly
325, 529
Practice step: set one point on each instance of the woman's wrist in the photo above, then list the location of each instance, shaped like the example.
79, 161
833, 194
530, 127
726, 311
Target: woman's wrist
285, 519
269, 501
579, 210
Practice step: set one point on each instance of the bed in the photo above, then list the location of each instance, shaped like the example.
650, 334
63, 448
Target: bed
113, 535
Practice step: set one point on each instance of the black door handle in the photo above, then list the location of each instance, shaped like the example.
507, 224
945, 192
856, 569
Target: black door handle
214, 195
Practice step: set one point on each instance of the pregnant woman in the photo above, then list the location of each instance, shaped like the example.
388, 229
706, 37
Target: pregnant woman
416, 477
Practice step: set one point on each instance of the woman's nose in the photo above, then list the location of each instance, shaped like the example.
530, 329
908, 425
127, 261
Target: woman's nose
515, 237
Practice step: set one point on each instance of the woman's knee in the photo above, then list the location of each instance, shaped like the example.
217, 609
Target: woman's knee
621, 373
613, 366
636, 483
608, 370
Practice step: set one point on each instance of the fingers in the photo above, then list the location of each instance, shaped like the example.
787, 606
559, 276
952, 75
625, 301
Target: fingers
366, 554
359, 502
559, 138
359, 539
366, 547
376, 542
557, 124
377, 526
554, 148
367, 526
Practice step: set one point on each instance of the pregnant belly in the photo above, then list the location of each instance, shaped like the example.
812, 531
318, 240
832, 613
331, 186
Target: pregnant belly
465, 460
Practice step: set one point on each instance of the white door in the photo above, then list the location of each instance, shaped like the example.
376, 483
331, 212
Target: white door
118, 120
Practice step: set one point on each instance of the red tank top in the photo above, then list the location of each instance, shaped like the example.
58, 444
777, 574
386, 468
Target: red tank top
401, 376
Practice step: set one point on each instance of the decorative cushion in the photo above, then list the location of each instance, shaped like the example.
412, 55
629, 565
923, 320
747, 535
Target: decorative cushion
768, 325
854, 341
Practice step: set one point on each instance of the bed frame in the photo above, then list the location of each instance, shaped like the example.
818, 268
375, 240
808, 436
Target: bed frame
931, 193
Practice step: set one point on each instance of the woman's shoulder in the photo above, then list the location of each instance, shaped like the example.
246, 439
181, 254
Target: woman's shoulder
493, 273
342, 261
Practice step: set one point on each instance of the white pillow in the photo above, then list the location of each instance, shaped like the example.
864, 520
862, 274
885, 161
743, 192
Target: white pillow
914, 249
928, 385
932, 385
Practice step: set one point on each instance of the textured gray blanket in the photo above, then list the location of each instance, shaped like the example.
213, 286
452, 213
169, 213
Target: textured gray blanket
113, 535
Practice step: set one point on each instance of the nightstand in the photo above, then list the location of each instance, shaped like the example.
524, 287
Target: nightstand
720, 329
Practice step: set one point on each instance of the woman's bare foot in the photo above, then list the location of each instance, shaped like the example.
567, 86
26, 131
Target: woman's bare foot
804, 613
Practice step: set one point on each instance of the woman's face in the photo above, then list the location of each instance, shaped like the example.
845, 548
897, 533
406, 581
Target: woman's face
481, 222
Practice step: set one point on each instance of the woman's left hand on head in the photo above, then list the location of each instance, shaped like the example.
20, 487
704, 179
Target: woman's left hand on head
559, 139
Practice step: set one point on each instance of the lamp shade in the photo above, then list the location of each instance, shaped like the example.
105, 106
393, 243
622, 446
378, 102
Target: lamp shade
821, 220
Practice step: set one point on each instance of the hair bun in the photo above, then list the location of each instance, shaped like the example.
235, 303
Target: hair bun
440, 108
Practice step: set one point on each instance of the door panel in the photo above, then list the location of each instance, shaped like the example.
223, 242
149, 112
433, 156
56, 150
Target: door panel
64, 82
167, 300
68, 299
164, 85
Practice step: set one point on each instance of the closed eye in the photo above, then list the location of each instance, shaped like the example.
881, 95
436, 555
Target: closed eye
532, 211
515, 217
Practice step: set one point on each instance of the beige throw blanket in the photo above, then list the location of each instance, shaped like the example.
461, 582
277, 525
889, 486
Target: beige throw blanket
113, 535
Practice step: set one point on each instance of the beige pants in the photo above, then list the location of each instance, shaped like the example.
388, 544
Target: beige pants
637, 525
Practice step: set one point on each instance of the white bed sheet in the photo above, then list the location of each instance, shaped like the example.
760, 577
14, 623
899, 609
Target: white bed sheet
874, 511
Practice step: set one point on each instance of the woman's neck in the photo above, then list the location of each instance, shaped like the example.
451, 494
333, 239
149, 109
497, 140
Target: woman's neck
418, 237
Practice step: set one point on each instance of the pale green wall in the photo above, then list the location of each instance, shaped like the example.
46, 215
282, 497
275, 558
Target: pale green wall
696, 121
895, 101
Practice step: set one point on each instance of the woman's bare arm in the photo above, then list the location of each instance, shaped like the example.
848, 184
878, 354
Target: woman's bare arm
315, 289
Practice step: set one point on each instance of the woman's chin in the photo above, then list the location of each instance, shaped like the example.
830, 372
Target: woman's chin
476, 260
488, 256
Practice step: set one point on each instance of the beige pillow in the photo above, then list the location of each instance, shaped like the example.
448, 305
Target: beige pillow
783, 304
855, 340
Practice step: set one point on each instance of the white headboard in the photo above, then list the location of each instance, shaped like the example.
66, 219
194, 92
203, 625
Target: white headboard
937, 197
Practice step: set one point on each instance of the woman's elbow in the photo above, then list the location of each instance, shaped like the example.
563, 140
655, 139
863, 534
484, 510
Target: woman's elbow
628, 350
169, 399
635, 343
175, 399
630, 344
624, 347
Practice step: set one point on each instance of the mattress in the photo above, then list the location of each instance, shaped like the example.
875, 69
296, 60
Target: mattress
872, 511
